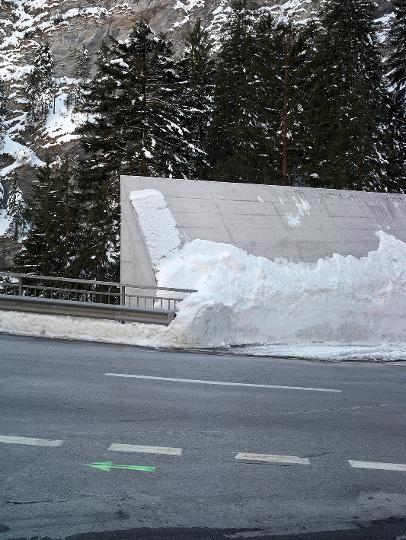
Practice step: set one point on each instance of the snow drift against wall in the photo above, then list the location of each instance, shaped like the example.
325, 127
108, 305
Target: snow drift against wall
245, 299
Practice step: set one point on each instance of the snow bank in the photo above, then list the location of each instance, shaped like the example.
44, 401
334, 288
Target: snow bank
341, 308
244, 299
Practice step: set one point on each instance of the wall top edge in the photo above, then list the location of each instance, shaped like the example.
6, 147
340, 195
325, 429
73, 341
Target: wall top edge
337, 193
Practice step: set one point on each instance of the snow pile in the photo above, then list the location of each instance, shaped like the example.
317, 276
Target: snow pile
157, 223
244, 299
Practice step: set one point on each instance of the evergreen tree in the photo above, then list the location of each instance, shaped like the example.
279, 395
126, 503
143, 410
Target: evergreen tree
98, 224
49, 247
136, 126
397, 77
137, 121
81, 62
41, 83
3, 112
197, 73
235, 146
347, 107
283, 54
16, 209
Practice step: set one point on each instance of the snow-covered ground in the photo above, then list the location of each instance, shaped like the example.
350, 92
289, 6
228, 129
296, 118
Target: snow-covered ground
338, 308
143, 335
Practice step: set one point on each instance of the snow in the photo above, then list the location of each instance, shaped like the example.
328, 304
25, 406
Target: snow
144, 335
303, 206
244, 299
62, 122
5, 221
157, 222
330, 352
21, 154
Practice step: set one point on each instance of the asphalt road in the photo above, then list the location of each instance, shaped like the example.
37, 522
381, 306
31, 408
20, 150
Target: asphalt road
63, 408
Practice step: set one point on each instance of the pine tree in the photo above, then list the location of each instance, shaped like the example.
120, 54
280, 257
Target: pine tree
235, 146
137, 121
3, 112
81, 62
41, 83
49, 247
397, 77
197, 74
347, 108
98, 224
136, 126
282, 57
16, 209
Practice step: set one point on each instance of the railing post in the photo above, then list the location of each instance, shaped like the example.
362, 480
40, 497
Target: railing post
20, 285
122, 295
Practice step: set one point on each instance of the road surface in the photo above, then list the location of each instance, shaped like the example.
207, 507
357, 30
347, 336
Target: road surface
165, 445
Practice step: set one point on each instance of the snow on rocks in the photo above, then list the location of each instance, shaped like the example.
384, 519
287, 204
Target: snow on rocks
5, 221
62, 121
21, 154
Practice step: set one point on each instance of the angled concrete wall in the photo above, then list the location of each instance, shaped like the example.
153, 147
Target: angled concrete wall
300, 224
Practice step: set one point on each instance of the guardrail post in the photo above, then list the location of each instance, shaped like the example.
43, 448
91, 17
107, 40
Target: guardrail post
122, 295
20, 286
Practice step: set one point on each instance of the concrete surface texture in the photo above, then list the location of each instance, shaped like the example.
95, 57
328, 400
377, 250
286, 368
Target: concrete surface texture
299, 224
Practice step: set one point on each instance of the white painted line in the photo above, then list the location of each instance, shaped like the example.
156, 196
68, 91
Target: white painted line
28, 440
269, 458
115, 447
221, 383
377, 465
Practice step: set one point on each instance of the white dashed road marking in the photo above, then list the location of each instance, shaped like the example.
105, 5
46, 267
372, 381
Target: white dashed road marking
377, 465
28, 440
115, 447
222, 383
269, 458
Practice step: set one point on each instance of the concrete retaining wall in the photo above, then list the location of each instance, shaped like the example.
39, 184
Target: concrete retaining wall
300, 224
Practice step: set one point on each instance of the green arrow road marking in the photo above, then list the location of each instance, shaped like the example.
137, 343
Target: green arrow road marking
108, 465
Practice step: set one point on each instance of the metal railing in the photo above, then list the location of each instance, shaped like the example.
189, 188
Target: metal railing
128, 299
82, 290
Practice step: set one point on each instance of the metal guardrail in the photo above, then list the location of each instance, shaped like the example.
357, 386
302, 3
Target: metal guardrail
45, 306
88, 298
